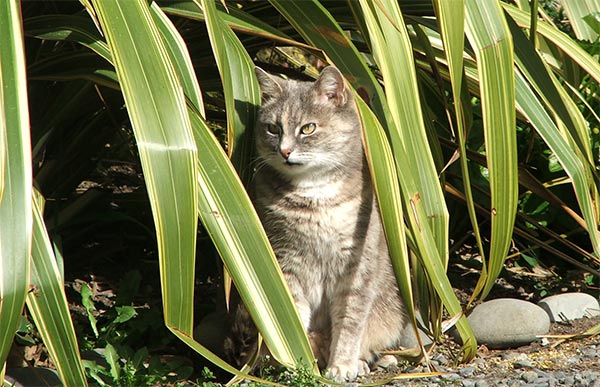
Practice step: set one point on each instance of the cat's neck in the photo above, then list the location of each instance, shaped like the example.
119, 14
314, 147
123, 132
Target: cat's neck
318, 188
321, 188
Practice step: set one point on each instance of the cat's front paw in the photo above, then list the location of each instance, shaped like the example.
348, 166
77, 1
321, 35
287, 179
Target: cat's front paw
347, 371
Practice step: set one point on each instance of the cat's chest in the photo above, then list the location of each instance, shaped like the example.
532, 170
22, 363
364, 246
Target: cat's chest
313, 228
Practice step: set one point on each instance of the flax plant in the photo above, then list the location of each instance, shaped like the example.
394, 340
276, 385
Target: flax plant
448, 90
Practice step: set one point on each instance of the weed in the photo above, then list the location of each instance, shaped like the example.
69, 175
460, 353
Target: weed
119, 342
300, 377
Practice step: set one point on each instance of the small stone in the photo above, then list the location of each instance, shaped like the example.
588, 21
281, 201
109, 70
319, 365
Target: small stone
467, 371
589, 352
468, 383
529, 376
595, 383
450, 377
509, 355
481, 383
545, 342
415, 369
570, 306
524, 363
507, 322
441, 359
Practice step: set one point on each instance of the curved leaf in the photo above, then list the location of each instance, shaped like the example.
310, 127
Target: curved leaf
158, 113
49, 307
488, 33
16, 213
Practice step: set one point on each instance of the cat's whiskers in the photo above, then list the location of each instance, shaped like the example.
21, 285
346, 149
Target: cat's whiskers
261, 162
327, 160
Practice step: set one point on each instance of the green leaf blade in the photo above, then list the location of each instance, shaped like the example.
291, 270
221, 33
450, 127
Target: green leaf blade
157, 108
16, 211
488, 33
49, 307
242, 94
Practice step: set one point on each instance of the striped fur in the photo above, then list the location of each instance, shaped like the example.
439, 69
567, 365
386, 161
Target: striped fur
314, 195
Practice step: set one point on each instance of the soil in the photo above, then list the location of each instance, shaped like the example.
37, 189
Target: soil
547, 358
558, 359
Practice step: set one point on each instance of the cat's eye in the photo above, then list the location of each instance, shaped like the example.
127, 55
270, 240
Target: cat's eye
273, 129
308, 128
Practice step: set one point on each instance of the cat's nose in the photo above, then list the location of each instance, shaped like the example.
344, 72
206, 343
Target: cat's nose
285, 152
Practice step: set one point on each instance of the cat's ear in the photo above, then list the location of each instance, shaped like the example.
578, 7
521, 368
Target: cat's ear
269, 87
330, 87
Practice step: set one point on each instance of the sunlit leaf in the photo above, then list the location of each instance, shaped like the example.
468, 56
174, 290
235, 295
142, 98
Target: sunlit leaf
16, 213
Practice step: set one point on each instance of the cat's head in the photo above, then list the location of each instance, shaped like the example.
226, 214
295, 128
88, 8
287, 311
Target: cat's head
307, 129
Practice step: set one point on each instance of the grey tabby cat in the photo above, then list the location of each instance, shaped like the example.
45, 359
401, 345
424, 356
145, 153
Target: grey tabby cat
313, 193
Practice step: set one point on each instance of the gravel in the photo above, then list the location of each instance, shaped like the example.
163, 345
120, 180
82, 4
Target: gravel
574, 363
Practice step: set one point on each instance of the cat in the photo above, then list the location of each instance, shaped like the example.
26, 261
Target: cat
313, 193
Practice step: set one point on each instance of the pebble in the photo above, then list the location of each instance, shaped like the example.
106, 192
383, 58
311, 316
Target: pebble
529, 376
523, 364
467, 371
570, 306
579, 366
508, 322
450, 377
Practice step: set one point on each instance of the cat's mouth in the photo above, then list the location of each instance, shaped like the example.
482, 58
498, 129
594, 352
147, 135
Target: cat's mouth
292, 162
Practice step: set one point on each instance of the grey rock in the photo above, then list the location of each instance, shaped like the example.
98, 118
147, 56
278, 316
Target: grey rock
570, 306
450, 377
507, 322
468, 383
523, 363
481, 383
467, 371
529, 376
543, 374
589, 352
510, 355
441, 359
